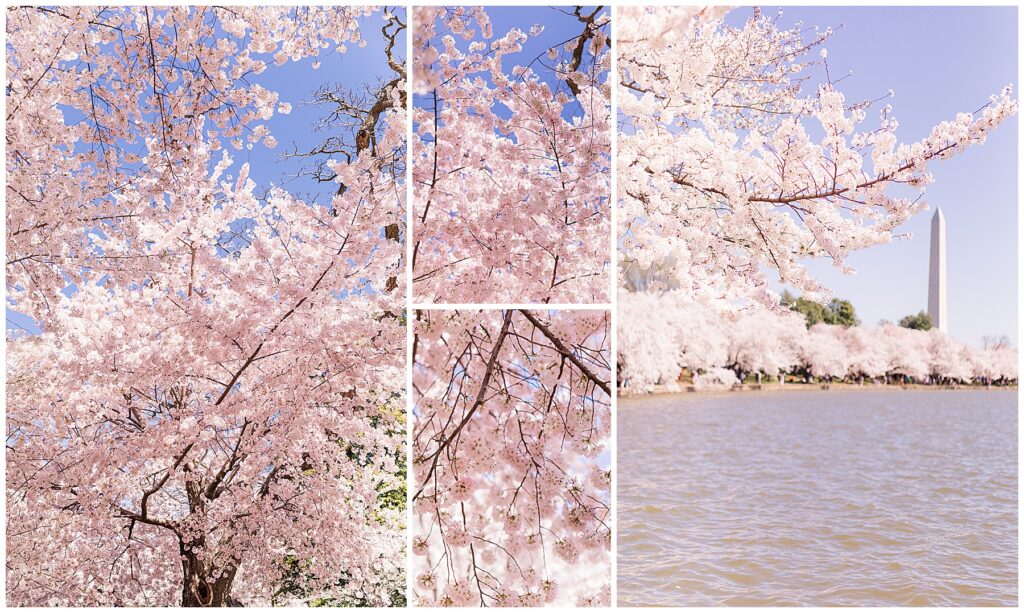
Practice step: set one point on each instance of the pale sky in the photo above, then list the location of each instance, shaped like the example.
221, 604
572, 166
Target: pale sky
939, 61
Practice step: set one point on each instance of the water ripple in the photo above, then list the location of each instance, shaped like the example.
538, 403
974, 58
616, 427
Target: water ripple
831, 498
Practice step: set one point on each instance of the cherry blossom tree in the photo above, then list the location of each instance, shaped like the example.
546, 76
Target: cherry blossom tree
997, 361
648, 346
765, 342
824, 352
719, 169
948, 359
715, 378
511, 164
867, 358
662, 334
904, 352
213, 403
996, 364
511, 431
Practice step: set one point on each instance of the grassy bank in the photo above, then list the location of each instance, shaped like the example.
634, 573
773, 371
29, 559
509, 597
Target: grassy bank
686, 387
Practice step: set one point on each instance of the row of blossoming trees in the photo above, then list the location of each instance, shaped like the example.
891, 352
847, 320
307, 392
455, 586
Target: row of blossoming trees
208, 406
740, 161
668, 333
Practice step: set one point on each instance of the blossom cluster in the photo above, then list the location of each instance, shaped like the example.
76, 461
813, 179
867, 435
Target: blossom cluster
731, 170
511, 167
510, 458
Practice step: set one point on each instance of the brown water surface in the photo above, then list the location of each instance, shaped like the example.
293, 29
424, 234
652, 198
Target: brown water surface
818, 498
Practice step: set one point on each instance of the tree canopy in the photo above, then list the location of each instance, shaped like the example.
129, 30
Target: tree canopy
918, 321
837, 312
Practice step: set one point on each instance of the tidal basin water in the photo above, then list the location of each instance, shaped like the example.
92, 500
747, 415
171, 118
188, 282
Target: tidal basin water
818, 498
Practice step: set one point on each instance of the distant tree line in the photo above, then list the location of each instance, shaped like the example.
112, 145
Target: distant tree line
839, 312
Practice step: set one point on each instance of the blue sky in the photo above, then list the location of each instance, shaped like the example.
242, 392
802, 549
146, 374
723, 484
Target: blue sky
559, 27
939, 61
295, 83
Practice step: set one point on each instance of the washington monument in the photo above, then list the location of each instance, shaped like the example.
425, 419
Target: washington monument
937, 274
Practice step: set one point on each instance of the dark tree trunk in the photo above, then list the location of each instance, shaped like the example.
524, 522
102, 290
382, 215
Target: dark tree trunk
199, 590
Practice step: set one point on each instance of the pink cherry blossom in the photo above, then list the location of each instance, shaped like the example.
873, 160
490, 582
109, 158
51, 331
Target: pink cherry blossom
511, 168
511, 434
718, 170
215, 401
663, 333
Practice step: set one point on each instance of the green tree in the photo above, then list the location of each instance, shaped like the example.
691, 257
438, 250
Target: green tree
921, 321
390, 510
841, 313
838, 312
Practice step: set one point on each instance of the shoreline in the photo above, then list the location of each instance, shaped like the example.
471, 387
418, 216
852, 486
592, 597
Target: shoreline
689, 388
